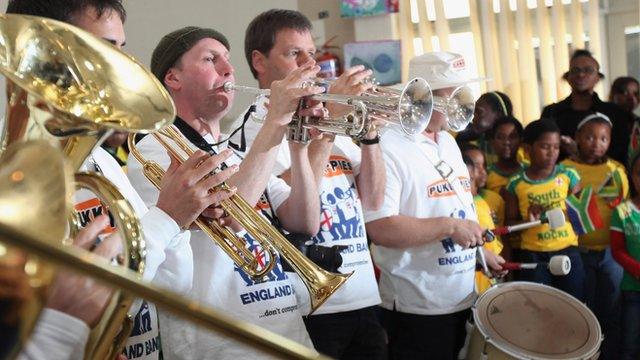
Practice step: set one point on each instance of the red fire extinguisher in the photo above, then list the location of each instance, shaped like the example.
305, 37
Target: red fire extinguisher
328, 61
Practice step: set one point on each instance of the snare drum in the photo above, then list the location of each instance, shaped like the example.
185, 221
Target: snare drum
523, 320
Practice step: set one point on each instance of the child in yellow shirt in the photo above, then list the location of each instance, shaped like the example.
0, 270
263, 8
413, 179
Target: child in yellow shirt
542, 186
505, 138
483, 211
608, 180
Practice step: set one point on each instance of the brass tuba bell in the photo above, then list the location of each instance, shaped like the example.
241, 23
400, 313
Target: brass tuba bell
39, 209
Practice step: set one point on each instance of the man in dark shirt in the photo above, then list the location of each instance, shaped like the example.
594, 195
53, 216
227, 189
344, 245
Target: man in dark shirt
583, 75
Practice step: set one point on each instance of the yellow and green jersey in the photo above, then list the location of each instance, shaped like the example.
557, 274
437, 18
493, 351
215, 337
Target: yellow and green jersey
549, 193
609, 181
485, 219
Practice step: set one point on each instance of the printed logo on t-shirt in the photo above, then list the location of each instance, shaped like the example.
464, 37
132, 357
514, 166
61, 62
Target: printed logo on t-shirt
88, 210
144, 340
442, 188
142, 321
340, 215
450, 247
263, 292
338, 165
262, 257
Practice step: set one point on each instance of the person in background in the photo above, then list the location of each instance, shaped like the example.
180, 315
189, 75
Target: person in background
490, 107
625, 93
492, 198
583, 75
485, 219
116, 146
608, 179
625, 247
542, 186
505, 139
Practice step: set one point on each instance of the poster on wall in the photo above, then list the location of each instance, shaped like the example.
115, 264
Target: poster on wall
356, 8
383, 57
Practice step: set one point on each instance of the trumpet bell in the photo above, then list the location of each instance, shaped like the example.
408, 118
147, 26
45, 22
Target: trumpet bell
415, 106
459, 108
34, 189
77, 84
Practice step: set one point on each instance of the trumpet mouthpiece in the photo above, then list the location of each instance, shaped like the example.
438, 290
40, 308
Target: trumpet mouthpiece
228, 86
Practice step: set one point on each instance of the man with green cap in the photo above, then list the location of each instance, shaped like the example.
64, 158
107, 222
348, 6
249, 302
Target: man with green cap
193, 64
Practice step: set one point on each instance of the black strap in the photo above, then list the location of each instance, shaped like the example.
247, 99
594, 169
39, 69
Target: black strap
196, 139
193, 136
243, 140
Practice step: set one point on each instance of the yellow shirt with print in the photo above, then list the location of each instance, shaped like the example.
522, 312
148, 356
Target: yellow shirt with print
485, 219
549, 193
609, 181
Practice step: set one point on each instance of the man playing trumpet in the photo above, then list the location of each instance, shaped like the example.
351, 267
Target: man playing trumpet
278, 43
193, 64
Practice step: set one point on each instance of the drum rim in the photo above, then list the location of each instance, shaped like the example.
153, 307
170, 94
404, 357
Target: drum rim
516, 353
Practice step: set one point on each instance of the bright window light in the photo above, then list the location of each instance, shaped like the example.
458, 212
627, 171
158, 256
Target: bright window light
417, 47
454, 9
512, 5
415, 16
632, 30
431, 10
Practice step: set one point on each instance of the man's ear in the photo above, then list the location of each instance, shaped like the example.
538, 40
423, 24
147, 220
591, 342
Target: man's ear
527, 149
172, 79
258, 61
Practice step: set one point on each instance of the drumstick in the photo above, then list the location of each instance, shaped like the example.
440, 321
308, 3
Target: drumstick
558, 265
554, 217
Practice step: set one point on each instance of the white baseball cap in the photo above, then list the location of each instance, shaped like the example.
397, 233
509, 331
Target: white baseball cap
441, 69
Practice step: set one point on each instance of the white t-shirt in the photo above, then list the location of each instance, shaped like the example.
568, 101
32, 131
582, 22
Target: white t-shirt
168, 261
436, 278
341, 223
219, 283
56, 336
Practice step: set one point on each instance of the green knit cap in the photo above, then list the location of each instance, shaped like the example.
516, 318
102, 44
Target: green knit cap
175, 44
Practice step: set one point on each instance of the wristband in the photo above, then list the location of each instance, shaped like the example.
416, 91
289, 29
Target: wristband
373, 141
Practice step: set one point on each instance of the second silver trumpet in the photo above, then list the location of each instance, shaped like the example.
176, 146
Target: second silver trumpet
410, 108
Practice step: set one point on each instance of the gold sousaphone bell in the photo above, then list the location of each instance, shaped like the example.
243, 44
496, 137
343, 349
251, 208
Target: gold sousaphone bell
67, 86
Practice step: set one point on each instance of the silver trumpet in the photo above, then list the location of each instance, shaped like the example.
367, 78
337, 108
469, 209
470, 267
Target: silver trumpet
409, 108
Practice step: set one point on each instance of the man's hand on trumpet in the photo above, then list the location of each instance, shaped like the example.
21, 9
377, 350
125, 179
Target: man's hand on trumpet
185, 192
284, 100
354, 81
